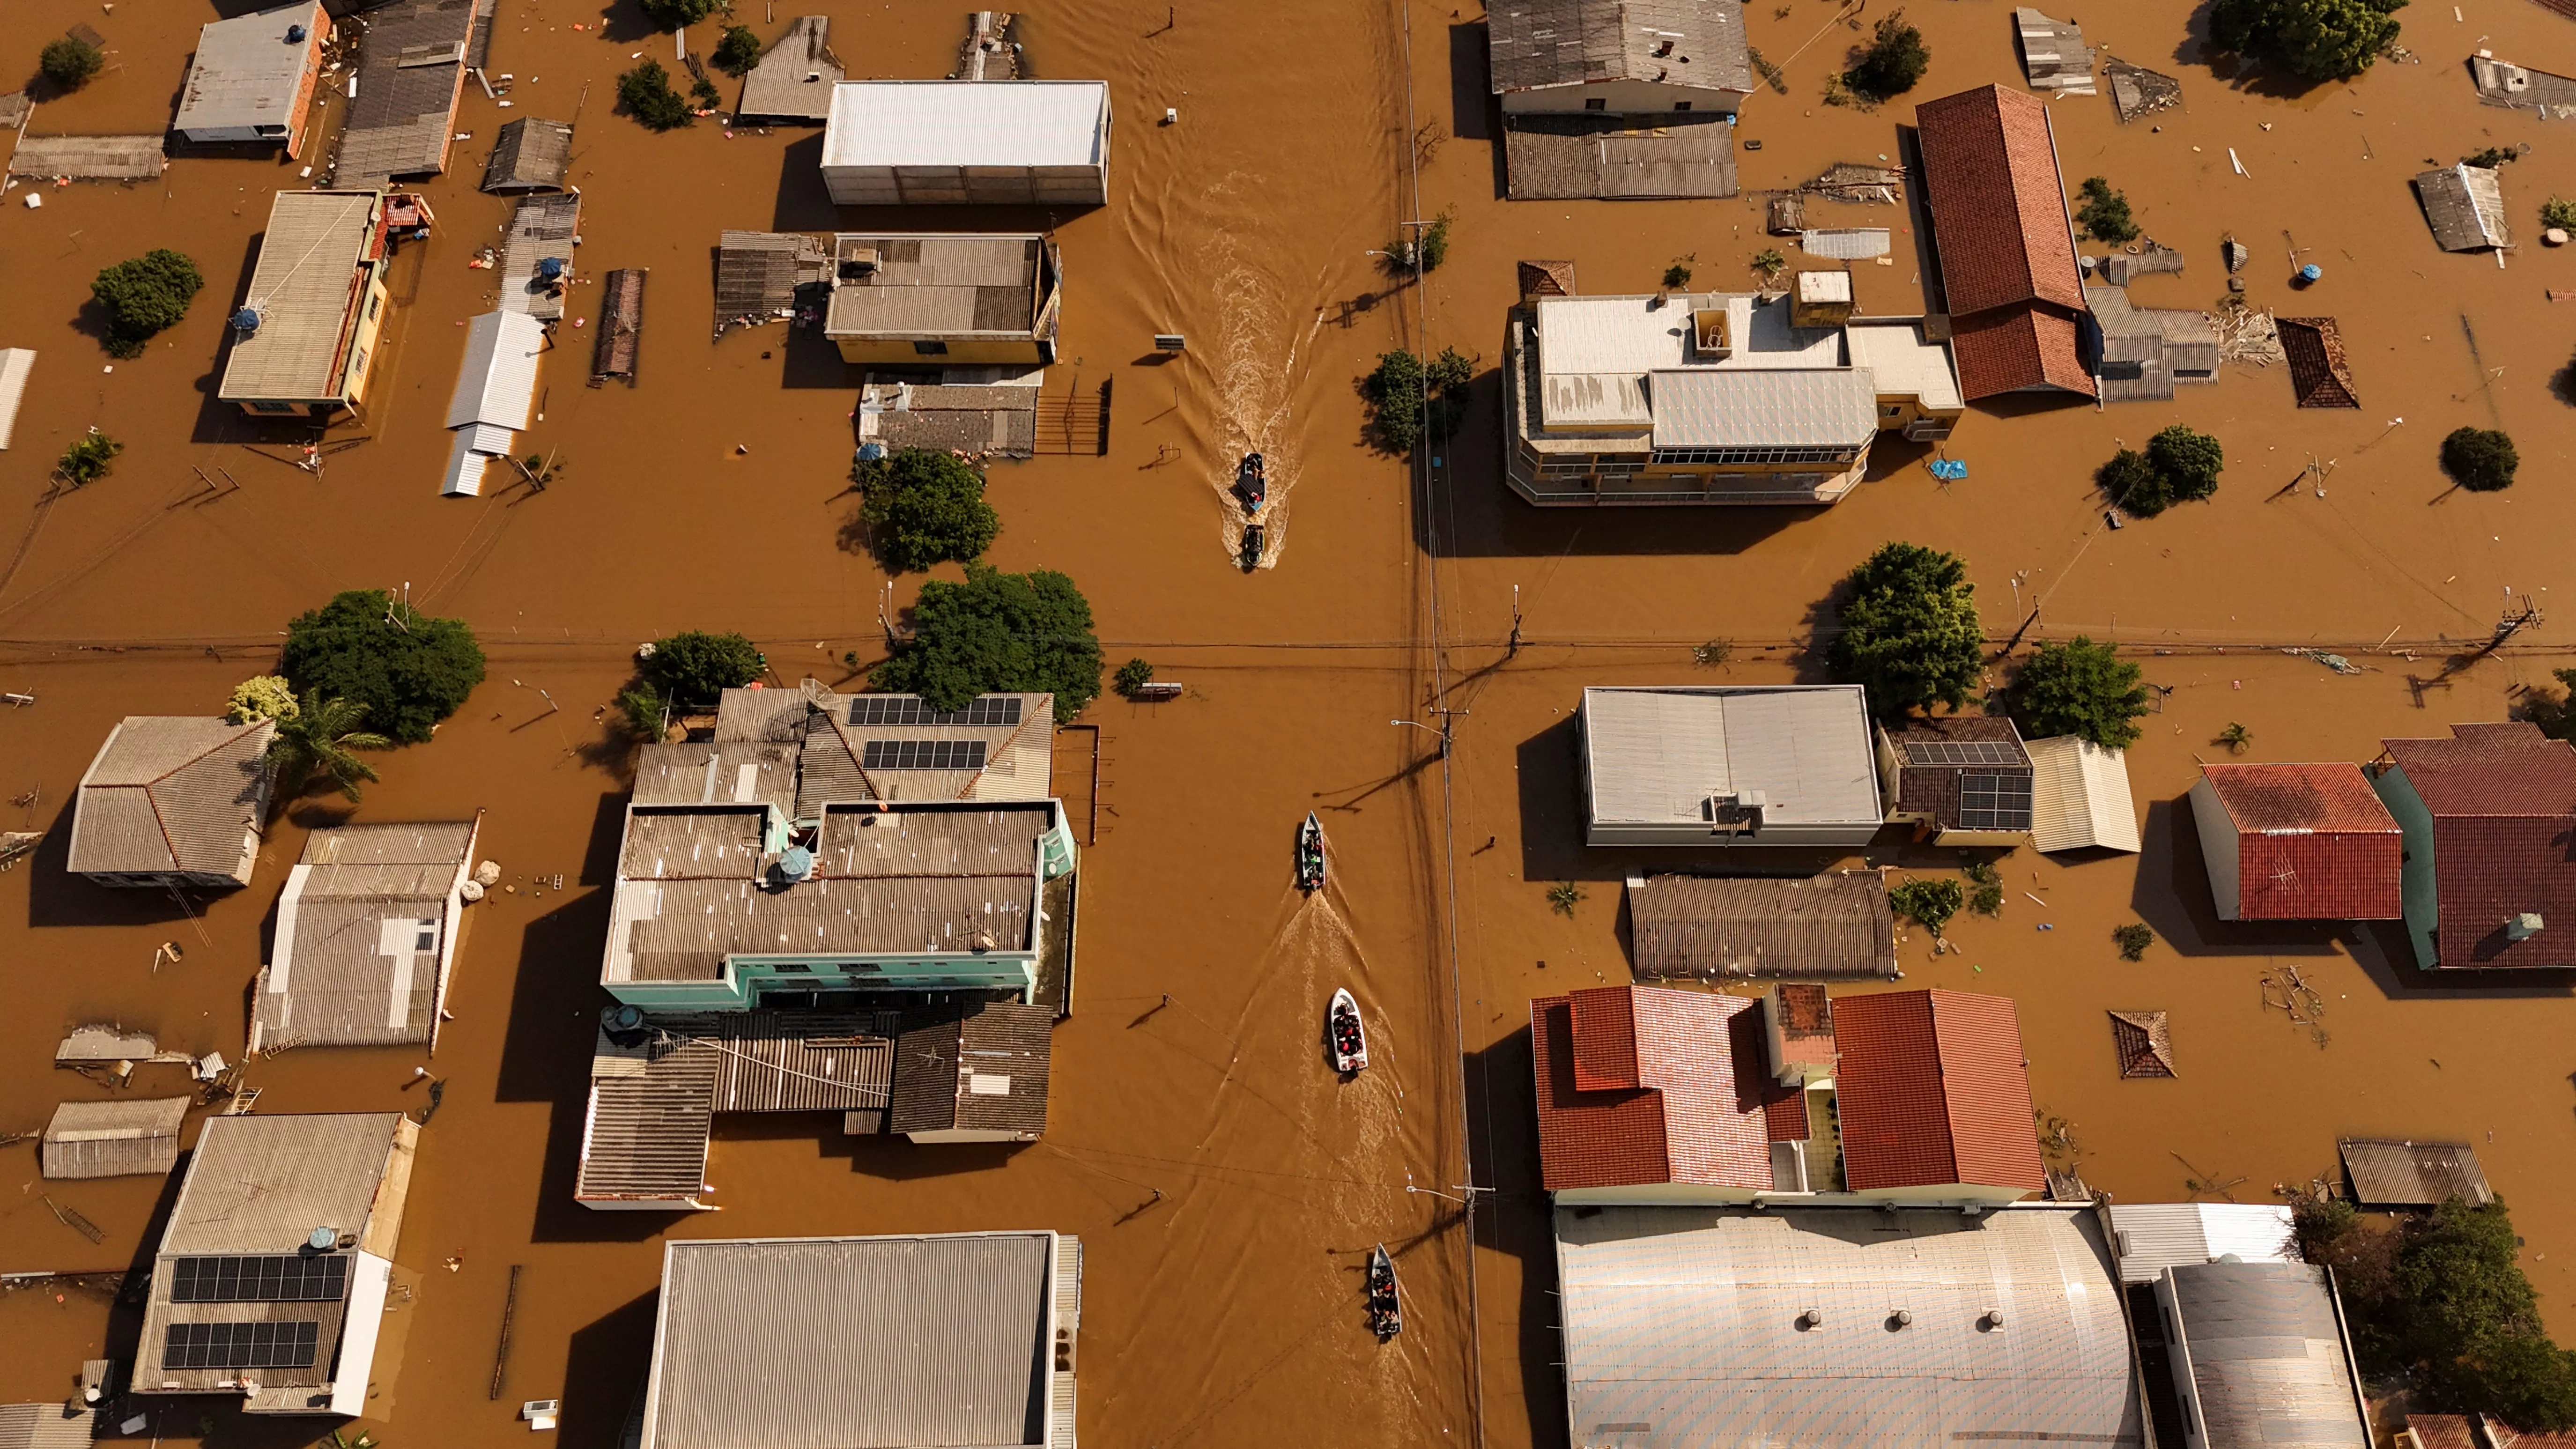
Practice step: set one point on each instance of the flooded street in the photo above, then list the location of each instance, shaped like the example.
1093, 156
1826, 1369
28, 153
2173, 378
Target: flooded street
1225, 1185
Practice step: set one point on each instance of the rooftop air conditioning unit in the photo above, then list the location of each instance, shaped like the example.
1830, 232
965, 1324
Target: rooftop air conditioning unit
1739, 814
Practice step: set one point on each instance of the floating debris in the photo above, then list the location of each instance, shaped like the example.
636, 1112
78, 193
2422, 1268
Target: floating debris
2137, 91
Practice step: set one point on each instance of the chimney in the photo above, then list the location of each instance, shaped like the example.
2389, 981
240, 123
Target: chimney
2522, 927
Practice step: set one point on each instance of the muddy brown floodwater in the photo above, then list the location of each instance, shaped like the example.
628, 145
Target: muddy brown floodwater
1226, 1310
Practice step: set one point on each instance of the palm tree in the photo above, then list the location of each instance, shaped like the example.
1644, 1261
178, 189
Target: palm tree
317, 740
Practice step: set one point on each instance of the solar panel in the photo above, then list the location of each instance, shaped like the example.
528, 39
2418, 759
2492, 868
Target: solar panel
1994, 800
241, 1345
988, 712
293, 1278
922, 755
1961, 753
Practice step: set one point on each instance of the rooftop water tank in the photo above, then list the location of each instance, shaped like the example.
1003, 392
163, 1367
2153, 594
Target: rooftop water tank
246, 321
797, 863
322, 1240
550, 268
295, 35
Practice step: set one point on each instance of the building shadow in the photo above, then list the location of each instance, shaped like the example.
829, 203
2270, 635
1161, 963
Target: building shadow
2386, 954
1514, 1218
2171, 895
607, 838
803, 203
217, 421
1475, 112
545, 1057
605, 1362
57, 897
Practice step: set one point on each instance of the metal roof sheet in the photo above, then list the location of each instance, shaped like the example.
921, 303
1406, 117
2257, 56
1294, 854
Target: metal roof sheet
411, 72
261, 1183
2080, 796
1686, 44
796, 75
967, 123
2264, 1351
1763, 408
531, 154
126, 1138
1656, 755
89, 158
1683, 1328
307, 289
2390, 1173
1828, 927
2464, 205
246, 72
53, 1425
497, 385
542, 229
938, 1340
365, 930
15, 365
2154, 1236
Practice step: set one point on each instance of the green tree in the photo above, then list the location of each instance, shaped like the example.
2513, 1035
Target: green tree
925, 507
1133, 675
262, 696
1909, 632
1410, 401
70, 62
2559, 212
2318, 39
2481, 460
1893, 63
318, 738
2105, 212
647, 94
998, 632
1928, 903
407, 669
693, 670
143, 295
2133, 485
643, 709
738, 52
2189, 462
2079, 688
679, 14
89, 458
2554, 713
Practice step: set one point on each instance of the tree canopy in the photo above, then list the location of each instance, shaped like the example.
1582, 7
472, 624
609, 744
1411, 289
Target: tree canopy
2079, 688
998, 632
738, 52
1910, 634
1893, 63
679, 14
693, 669
262, 696
2179, 464
647, 94
2481, 460
143, 295
69, 61
318, 738
925, 507
2319, 39
407, 669
1398, 391
2105, 212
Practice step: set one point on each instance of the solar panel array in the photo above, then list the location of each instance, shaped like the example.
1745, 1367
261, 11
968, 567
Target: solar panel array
293, 1278
241, 1345
989, 712
1994, 800
1963, 752
922, 755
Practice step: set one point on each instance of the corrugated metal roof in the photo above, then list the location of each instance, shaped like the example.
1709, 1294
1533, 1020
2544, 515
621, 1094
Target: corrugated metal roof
466, 462
932, 286
2464, 205
47, 1426
967, 123
15, 365
2053, 54
1763, 408
307, 288
89, 158
246, 73
128, 1138
543, 228
1686, 44
172, 793
1656, 756
497, 383
796, 76
2264, 1351
932, 1341
2154, 1236
1683, 1328
2080, 796
365, 929
982, 1067
531, 154
2388, 1172
411, 72
261, 1183
1829, 927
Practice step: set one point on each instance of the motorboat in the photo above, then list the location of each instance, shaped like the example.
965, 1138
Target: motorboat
1344, 1034
1385, 1310
1249, 485
1251, 553
1310, 855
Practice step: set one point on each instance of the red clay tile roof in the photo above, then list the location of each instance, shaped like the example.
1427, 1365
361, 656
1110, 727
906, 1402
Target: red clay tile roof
1697, 1113
1932, 1091
2313, 843
1998, 205
2503, 800
2453, 1431
2015, 349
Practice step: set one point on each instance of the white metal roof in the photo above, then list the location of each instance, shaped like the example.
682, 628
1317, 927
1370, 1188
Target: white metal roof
498, 382
967, 123
1763, 408
2154, 1236
15, 364
1656, 755
2080, 796
1904, 362
465, 464
246, 73
1594, 352
304, 290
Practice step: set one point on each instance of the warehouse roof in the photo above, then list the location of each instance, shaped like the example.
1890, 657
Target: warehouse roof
170, 793
1689, 1328
967, 123
934, 1340
1934, 1090
2153, 1236
246, 72
1692, 44
306, 290
2266, 1356
1657, 755
1827, 927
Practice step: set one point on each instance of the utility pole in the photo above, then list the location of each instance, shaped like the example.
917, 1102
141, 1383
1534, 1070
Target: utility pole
1513, 652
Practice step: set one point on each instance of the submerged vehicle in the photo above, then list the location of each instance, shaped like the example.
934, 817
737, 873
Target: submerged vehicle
1251, 552
1249, 485
1310, 855
1385, 1311
1344, 1034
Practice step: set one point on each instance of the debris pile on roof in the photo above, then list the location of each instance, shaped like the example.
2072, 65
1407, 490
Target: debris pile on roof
2137, 91
2320, 375
2053, 54
758, 274
539, 256
1857, 181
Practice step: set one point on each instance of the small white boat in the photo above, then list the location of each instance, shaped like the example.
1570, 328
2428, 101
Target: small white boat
1385, 1307
1310, 855
1344, 1034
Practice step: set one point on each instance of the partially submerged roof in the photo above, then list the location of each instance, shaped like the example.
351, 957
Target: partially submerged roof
89, 158
2313, 842
2502, 83
130, 1137
2503, 800
1999, 227
531, 154
2388, 1172
1689, 1327
796, 75
2053, 54
411, 71
16, 363
2464, 205
2079, 796
980, 1069
496, 386
897, 123
937, 286
1827, 927
1934, 1090
2147, 350
2320, 373
172, 793
937, 1340
2144, 1043
2264, 1348
1597, 354
365, 931
1615, 156
2021, 348
51, 1425
1686, 44
541, 230
247, 73
1962, 772
758, 272
1658, 755
1643, 1084
2151, 1237
306, 291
